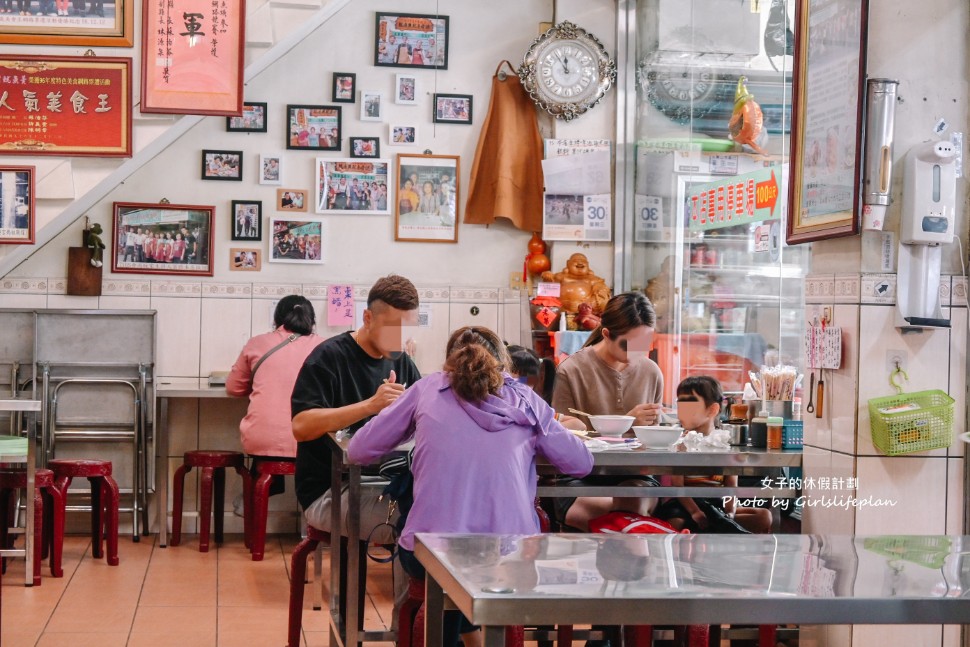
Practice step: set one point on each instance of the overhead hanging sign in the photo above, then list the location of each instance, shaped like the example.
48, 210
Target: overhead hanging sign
737, 200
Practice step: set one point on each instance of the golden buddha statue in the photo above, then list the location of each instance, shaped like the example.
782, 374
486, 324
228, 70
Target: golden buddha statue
579, 285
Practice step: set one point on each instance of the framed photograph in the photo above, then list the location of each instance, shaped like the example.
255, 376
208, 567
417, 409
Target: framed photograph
411, 40
245, 259
402, 135
93, 122
291, 200
162, 239
313, 128
17, 219
270, 168
371, 106
826, 145
406, 89
222, 165
365, 146
352, 186
247, 220
452, 109
344, 87
192, 57
97, 24
253, 119
427, 198
296, 241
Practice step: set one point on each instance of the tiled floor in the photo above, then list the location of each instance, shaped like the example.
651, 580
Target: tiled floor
170, 596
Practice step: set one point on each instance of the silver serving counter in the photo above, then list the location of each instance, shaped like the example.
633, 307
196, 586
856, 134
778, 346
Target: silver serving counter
500, 580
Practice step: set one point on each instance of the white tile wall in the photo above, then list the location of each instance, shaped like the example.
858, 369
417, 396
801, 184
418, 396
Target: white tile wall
819, 516
958, 372
8, 300
69, 302
916, 485
954, 496
226, 327
112, 302
908, 635
178, 323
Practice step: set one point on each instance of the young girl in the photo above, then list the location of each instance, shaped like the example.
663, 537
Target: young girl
698, 407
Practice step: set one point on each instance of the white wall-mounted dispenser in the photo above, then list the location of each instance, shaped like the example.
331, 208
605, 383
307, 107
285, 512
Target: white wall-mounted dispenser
877, 178
927, 222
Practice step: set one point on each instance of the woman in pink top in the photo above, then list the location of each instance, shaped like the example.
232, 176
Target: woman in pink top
266, 431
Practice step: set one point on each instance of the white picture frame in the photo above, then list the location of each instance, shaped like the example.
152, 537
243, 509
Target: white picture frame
406, 89
402, 135
285, 244
371, 106
266, 168
336, 179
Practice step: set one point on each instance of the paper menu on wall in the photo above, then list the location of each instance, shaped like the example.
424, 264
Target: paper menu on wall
823, 347
578, 203
340, 305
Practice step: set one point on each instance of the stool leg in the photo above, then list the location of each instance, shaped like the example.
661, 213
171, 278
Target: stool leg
260, 512
514, 636
205, 508
177, 486
564, 636
218, 503
247, 480
97, 518
7, 506
55, 530
38, 522
297, 576
767, 635
111, 499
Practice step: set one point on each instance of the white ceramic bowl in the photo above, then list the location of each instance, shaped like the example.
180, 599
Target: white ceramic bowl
611, 425
657, 437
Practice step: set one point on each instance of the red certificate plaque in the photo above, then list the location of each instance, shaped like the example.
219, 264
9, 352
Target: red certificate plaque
192, 57
65, 105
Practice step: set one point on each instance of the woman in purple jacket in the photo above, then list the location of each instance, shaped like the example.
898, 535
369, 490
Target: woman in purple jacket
477, 432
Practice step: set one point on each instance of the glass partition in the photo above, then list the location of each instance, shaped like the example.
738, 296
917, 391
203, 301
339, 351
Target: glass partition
711, 131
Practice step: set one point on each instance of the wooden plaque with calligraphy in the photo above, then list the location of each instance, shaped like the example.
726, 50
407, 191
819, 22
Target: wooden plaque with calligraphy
192, 57
65, 105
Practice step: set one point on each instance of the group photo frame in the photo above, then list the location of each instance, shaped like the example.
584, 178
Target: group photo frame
247, 220
313, 128
252, 120
365, 147
427, 198
95, 24
17, 211
402, 135
352, 186
411, 40
452, 109
296, 240
245, 259
221, 165
291, 200
148, 238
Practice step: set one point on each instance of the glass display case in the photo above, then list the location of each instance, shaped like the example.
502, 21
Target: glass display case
711, 129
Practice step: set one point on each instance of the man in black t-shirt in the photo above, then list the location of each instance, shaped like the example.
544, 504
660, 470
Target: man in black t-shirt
346, 381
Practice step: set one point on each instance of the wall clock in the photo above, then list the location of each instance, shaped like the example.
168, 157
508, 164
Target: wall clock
567, 71
681, 91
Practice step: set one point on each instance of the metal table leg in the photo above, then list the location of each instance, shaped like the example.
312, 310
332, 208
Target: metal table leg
161, 469
434, 613
336, 620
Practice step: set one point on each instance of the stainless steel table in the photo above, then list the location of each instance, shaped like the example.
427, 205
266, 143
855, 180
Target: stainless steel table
347, 631
163, 394
498, 580
31, 408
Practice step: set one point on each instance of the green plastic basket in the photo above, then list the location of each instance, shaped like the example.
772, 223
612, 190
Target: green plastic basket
929, 426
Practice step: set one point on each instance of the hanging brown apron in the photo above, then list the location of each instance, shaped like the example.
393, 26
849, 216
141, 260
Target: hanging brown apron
506, 178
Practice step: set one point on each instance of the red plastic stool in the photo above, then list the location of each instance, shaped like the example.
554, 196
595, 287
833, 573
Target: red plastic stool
297, 579
256, 522
213, 464
104, 500
48, 516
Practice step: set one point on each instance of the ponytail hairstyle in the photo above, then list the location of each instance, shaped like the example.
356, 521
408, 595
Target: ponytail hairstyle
476, 360
623, 313
295, 313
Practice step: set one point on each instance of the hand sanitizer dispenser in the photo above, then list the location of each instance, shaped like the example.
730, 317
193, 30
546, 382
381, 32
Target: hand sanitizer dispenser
927, 222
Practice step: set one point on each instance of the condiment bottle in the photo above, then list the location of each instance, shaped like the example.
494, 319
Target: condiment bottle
775, 424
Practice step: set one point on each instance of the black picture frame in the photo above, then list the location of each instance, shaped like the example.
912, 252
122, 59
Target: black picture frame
426, 30
238, 223
222, 165
359, 147
340, 94
459, 106
252, 111
323, 117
